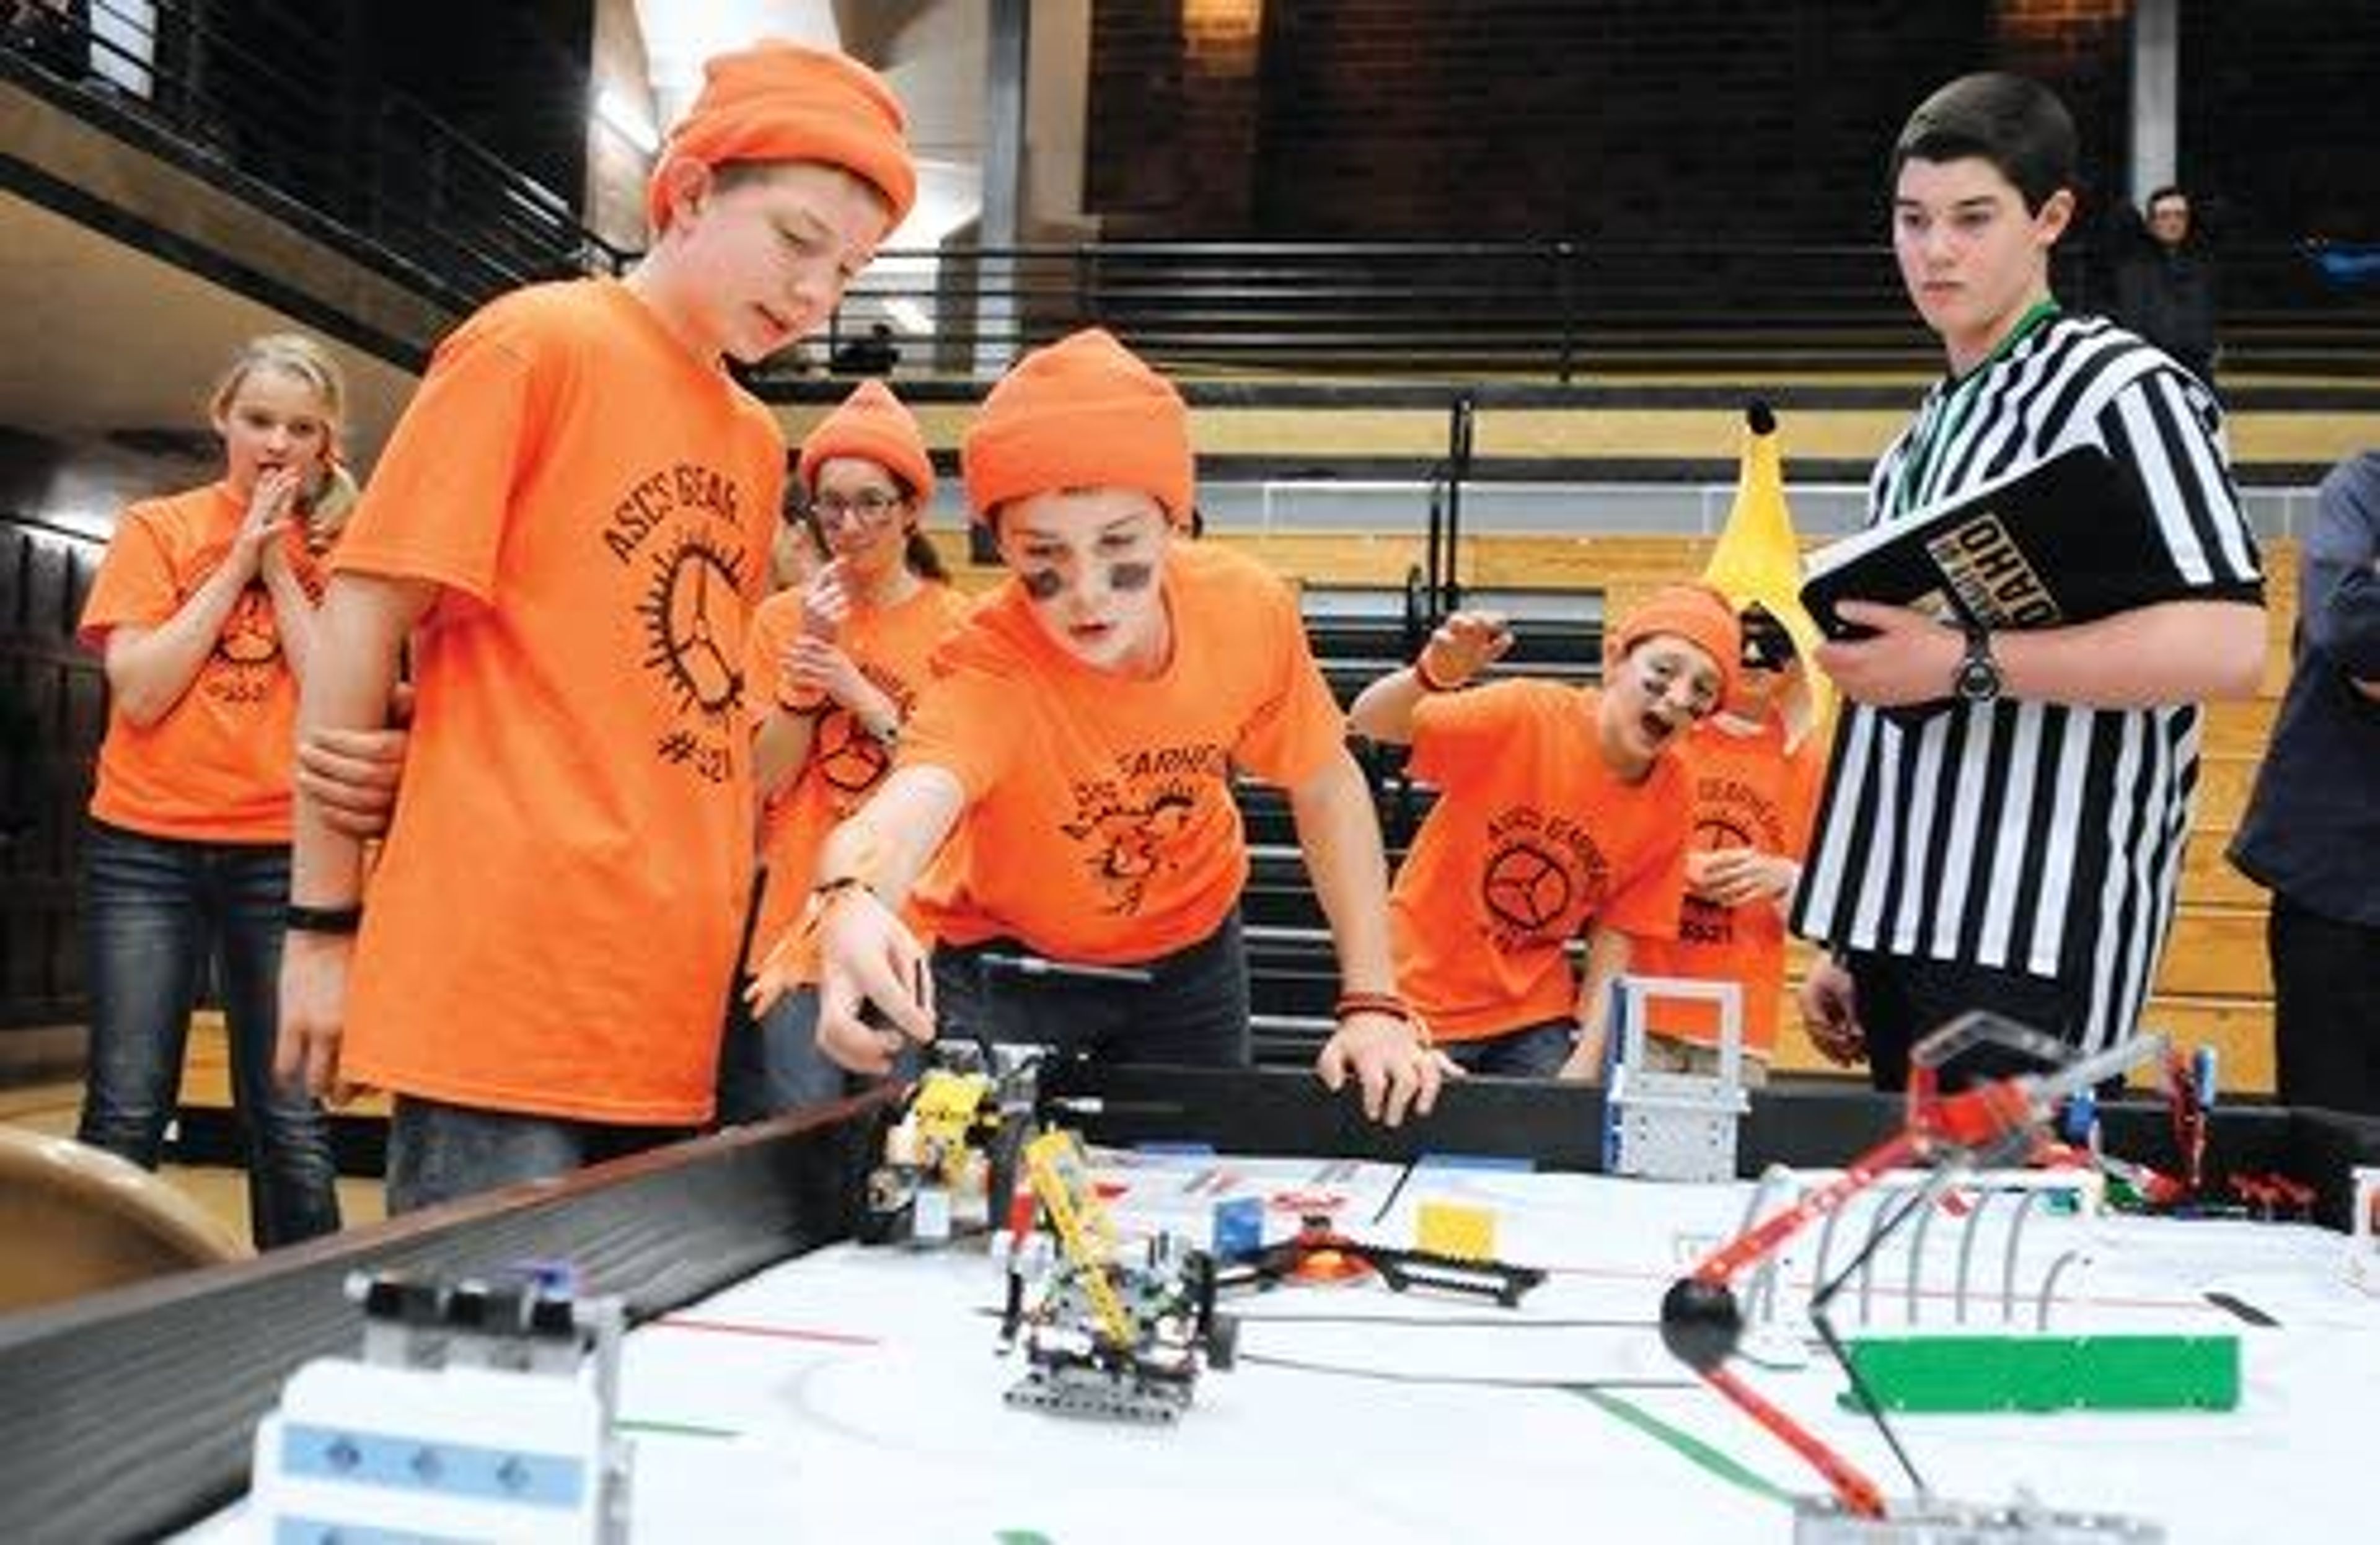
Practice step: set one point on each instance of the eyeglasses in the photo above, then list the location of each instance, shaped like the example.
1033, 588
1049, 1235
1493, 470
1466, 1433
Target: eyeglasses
871, 505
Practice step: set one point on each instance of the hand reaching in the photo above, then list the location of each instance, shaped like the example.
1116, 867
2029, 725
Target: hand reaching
1395, 1069
1830, 1015
1464, 645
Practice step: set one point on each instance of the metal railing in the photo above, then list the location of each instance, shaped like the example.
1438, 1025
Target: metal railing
266, 104
401, 180
1553, 310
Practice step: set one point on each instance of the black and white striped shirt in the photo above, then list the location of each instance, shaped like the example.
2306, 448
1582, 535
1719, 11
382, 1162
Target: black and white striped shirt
2026, 835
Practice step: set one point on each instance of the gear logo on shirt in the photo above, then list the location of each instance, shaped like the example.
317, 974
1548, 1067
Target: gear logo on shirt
850, 760
690, 619
1542, 876
1717, 834
1526, 888
248, 651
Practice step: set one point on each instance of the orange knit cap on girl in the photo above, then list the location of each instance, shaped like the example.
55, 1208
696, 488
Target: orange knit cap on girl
871, 425
1083, 412
1694, 612
783, 102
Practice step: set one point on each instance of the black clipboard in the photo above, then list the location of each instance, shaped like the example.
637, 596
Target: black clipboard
2063, 540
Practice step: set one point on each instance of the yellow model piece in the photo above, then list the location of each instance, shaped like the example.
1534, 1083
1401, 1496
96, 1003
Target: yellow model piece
945, 1108
1061, 1181
1456, 1229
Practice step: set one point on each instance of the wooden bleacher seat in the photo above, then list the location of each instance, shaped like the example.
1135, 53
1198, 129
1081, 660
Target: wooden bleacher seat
78, 1220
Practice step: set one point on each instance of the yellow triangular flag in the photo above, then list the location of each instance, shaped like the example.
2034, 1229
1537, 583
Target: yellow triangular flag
1759, 558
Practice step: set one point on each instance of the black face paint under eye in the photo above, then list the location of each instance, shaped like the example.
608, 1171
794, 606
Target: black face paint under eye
1041, 584
1131, 576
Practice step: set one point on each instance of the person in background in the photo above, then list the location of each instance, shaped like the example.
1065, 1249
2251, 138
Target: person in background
834, 667
2313, 827
2166, 286
872, 353
204, 612
1754, 767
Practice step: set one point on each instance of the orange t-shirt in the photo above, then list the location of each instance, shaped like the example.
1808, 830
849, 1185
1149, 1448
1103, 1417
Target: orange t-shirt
552, 925
1100, 825
1748, 792
892, 649
218, 766
1533, 837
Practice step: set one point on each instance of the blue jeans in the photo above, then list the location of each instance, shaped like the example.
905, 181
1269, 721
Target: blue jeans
774, 1066
1531, 1052
155, 910
1192, 1012
440, 1153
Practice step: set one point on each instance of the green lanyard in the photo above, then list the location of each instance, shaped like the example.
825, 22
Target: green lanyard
1917, 466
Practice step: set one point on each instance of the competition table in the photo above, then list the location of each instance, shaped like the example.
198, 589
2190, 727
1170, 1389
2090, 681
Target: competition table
785, 1383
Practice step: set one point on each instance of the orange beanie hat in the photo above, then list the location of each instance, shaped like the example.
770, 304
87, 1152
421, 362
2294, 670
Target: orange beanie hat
1696, 613
1083, 412
782, 101
871, 425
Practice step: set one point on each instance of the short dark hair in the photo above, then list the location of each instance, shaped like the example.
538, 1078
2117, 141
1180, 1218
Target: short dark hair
2158, 195
2012, 121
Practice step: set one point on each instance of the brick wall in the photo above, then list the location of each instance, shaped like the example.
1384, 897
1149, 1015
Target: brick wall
1685, 120
2280, 125
1635, 119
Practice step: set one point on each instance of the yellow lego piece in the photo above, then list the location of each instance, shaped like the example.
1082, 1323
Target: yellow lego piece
1449, 1228
946, 1102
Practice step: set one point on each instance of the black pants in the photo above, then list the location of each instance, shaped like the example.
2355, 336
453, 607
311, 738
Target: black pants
1192, 1012
2325, 1008
1903, 999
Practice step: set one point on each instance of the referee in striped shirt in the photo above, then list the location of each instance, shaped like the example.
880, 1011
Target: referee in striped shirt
2019, 847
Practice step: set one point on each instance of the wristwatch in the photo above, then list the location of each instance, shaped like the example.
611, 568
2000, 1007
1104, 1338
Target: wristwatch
1977, 679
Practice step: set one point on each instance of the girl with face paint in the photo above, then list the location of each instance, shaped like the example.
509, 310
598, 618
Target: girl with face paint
832, 670
1069, 775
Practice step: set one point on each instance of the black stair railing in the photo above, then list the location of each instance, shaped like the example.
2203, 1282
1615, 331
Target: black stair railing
267, 104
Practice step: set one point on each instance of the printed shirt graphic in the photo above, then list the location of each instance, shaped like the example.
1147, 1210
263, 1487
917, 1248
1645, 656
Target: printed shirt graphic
892, 650
1100, 825
1532, 838
218, 766
554, 922
1748, 792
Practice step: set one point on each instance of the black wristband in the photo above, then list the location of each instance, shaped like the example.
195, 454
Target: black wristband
322, 919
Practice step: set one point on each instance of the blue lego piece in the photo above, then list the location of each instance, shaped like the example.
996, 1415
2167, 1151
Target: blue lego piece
1239, 1228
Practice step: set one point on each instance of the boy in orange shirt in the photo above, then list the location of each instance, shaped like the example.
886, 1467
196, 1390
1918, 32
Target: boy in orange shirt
1561, 810
835, 668
1087, 724
1755, 767
571, 525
